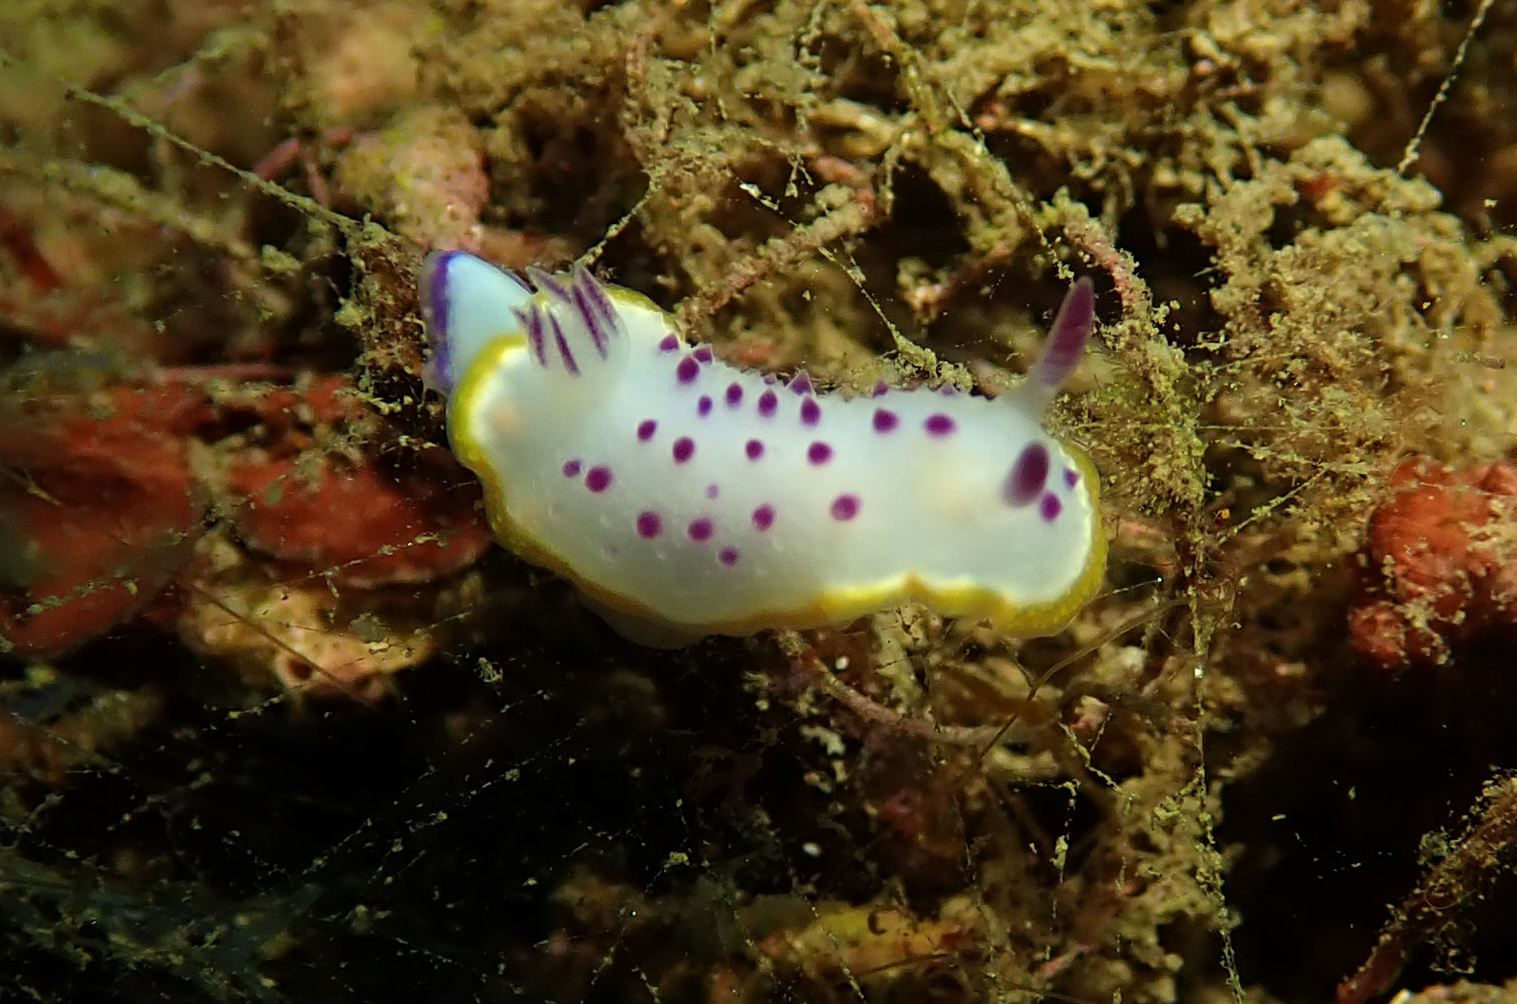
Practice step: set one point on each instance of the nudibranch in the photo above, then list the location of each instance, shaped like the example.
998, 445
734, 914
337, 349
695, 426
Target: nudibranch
686, 497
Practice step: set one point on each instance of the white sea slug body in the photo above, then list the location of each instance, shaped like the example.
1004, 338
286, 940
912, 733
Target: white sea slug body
685, 495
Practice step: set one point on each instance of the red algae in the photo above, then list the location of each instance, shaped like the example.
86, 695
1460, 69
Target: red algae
362, 525
101, 504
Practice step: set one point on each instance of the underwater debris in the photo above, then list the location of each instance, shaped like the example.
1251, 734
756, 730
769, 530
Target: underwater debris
298, 632
1478, 856
1440, 563
51, 724
881, 950
179, 932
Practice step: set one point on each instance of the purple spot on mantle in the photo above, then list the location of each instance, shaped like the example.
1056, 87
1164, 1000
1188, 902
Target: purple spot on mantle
1070, 477
703, 353
598, 478
763, 517
712, 491
669, 344
648, 524
845, 507
1028, 474
684, 449
767, 403
571, 468
701, 529
728, 556
754, 449
734, 394
938, 425
646, 428
880, 389
811, 412
1050, 507
819, 453
703, 406
884, 420
686, 370
801, 384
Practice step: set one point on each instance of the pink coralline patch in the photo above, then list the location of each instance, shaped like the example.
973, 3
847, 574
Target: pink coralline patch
1439, 565
357, 522
286, 414
101, 505
426, 175
347, 514
97, 509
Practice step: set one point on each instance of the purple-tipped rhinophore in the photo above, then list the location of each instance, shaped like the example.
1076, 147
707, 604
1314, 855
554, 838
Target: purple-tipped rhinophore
543, 282
1072, 328
1066, 339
